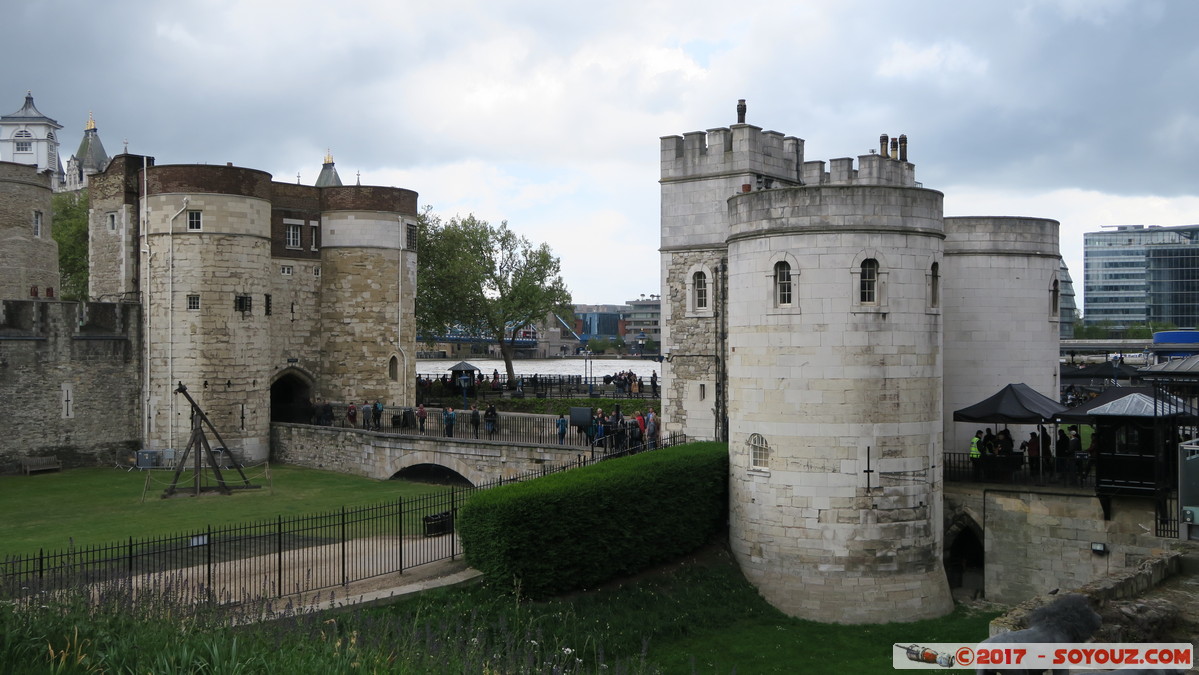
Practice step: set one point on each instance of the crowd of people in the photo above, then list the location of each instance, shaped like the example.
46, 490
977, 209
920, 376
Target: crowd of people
618, 433
1045, 455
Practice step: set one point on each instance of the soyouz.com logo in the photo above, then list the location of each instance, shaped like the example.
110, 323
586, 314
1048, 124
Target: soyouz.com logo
1043, 655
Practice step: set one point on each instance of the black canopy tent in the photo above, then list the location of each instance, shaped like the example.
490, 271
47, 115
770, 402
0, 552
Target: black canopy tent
1014, 404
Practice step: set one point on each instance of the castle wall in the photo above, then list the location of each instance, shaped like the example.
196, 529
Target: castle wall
833, 386
1037, 541
69, 381
1001, 326
28, 260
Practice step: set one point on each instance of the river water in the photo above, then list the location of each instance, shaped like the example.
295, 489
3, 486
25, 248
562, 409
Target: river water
525, 367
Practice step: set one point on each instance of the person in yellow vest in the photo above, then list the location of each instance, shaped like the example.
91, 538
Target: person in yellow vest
976, 454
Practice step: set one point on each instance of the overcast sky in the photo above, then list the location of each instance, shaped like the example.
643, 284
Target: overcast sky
548, 114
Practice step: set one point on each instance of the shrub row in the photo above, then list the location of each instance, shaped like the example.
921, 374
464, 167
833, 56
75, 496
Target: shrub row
579, 528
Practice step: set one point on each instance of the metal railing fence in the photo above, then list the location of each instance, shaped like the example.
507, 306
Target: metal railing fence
264, 560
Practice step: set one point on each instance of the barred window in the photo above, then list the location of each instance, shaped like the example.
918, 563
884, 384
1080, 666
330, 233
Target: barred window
412, 236
759, 451
782, 284
868, 285
193, 302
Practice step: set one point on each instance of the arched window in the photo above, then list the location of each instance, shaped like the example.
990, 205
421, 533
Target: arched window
699, 283
759, 451
868, 283
934, 286
1054, 299
22, 144
782, 284
393, 369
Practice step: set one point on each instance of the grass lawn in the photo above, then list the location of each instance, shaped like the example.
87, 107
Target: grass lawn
52, 510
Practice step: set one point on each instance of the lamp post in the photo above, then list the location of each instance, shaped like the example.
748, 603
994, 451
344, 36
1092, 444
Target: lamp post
641, 344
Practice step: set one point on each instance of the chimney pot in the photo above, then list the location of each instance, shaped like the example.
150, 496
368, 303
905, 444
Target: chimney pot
903, 147
741, 111
882, 145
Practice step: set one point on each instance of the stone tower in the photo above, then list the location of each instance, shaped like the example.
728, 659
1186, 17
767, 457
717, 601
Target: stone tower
206, 261
1002, 312
810, 299
29, 262
368, 293
88, 160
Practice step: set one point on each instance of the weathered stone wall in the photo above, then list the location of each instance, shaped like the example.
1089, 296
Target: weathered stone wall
689, 375
26, 260
1036, 541
839, 522
114, 228
1000, 328
381, 456
68, 381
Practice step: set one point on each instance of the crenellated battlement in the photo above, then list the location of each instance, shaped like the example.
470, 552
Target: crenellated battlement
742, 148
51, 319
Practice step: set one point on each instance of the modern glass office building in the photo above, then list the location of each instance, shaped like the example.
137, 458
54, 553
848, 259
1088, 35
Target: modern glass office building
1135, 274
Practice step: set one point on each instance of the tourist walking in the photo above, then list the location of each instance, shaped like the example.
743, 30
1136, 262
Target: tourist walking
352, 415
447, 420
421, 416
474, 419
491, 419
561, 429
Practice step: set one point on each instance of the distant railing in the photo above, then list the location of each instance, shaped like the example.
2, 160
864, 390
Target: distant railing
259, 561
1016, 469
538, 386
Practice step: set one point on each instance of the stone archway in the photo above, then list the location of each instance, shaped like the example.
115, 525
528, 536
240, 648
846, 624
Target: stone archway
291, 397
965, 558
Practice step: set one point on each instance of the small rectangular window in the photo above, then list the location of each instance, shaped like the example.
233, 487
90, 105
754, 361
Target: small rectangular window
24, 146
316, 271
195, 221
703, 391
293, 236
242, 303
193, 302
267, 304
411, 237
112, 221
286, 270
37, 223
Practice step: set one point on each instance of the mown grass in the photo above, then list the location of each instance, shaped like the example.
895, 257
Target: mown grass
98, 506
698, 615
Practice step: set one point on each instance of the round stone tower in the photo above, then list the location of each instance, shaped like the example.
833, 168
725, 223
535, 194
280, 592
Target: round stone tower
29, 265
834, 377
368, 291
1004, 303
206, 261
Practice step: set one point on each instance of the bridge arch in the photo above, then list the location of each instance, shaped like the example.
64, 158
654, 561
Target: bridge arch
443, 459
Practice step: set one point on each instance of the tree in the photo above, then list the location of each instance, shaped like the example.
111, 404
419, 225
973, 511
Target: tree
70, 231
486, 280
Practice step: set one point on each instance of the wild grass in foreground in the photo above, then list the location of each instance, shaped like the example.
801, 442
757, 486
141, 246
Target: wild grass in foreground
697, 616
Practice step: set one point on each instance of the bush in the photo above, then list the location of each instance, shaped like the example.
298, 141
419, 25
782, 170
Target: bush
579, 528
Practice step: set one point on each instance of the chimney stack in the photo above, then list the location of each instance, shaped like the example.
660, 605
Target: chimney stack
741, 111
903, 147
882, 145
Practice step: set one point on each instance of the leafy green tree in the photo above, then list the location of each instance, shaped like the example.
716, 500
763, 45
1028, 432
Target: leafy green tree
599, 345
70, 231
486, 280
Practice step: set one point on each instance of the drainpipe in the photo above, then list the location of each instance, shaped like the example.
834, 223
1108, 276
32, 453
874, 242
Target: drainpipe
721, 299
171, 320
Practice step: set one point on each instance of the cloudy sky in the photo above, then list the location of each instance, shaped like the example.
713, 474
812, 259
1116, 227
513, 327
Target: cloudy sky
548, 114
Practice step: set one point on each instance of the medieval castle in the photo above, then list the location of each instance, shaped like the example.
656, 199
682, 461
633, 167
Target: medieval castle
826, 321
257, 295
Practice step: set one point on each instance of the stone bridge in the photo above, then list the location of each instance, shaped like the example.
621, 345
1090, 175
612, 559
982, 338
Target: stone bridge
382, 455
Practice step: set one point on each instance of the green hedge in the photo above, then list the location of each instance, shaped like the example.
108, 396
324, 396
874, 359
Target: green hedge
579, 528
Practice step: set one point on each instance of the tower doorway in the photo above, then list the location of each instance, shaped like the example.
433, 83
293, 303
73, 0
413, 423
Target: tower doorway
291, 399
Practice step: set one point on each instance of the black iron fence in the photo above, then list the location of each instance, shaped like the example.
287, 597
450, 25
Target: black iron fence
433, 388
264, 560
1016, 469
